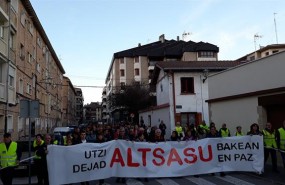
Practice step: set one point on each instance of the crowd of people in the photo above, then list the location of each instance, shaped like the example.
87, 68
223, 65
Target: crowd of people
274, 140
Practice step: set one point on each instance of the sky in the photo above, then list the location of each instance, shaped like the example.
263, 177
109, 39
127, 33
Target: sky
86, 33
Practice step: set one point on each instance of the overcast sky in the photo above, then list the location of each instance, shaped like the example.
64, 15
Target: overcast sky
86, 33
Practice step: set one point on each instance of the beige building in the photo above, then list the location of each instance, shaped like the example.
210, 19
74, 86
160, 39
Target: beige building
253, 92
136, 65
29, 70
68, 103
263, 52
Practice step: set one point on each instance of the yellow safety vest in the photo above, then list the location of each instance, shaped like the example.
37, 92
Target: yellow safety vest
204, 127
282, 138
269, 139
179, 130
8, 158
225, 133
239, 134
34, 145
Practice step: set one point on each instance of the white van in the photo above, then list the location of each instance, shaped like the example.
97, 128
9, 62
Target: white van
60, 132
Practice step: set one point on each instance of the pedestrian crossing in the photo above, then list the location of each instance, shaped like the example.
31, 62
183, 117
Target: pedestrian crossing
231, 178
202, 180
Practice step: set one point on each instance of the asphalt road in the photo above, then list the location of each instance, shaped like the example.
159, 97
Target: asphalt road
237, 178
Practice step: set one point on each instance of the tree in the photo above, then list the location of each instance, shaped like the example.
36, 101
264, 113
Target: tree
133, 98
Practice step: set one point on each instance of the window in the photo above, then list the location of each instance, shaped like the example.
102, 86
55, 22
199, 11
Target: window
206, 54
122, 72
136, 59
121, 60
187, 85
23, 19
1, 31
251, 58
30, 57
21, 86
22, 52
267, 53
1, 72
275, 51
11, 41
188, 118
137, 72
12, 73
29, 89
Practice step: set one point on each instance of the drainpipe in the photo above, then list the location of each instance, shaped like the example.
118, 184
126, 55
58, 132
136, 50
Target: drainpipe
8, 62
173, 96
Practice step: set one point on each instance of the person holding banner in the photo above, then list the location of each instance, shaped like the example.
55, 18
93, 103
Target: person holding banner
100, 139
214, 134
40, 147
281, 142
10, 156
83, 140
122, 136
254, 130
224, 131
157, 136
270, 146
238, 132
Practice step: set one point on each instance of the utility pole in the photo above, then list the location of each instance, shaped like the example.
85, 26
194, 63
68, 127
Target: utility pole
275, 28
256, 37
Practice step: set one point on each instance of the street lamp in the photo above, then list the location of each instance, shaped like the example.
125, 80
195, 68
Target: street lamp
205, 75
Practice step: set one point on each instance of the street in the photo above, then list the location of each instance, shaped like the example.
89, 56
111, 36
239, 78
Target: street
238, 178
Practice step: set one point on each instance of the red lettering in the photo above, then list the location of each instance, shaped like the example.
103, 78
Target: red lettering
209, 151
158, 156
194, 157
130, 159
117, 158
144, 151
173, 156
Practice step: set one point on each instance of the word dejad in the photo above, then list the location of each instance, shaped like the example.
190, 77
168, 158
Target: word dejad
93, 165
158, 158
237, 156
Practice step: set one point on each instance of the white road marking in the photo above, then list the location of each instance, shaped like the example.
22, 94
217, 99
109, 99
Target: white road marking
166, 181
200, 181
134, 182
234, 180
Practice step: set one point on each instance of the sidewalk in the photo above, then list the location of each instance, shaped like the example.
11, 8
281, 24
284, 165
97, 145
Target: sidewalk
23, 180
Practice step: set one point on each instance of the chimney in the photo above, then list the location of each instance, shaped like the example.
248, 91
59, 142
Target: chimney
177, 38
139, 45
161, 38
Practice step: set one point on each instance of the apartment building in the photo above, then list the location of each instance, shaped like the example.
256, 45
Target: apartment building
29, 70
68, 103
136, 65
79, 106
93, 113
263, 52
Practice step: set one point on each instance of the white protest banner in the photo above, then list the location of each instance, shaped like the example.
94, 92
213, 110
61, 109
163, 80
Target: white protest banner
118, 158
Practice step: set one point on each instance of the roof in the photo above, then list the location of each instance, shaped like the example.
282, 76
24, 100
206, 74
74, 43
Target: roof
192, 66
168, 48
262, 49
